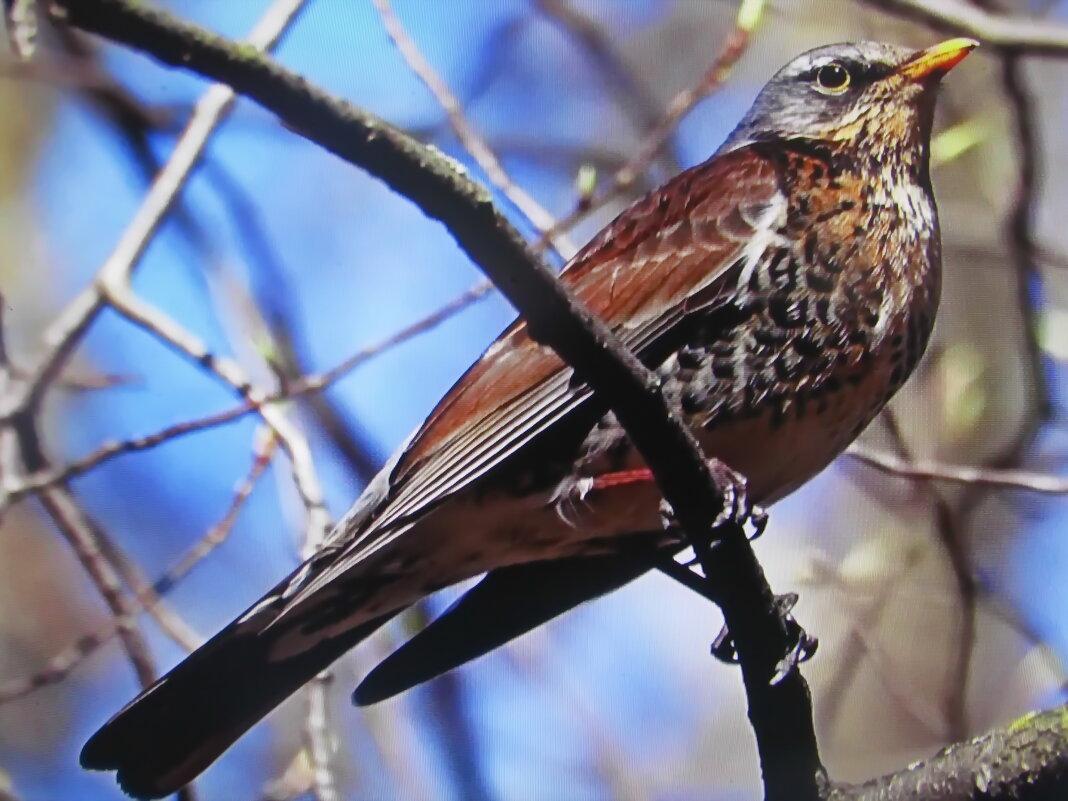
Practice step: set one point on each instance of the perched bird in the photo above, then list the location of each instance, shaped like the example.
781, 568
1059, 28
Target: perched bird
784, 290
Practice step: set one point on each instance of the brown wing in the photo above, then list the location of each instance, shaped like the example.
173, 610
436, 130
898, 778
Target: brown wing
638, 274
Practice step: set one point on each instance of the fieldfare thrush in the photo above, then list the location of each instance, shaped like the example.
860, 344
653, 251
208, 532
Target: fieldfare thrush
784, 290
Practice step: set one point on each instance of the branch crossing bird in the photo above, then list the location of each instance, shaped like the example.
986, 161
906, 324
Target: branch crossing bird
783, 290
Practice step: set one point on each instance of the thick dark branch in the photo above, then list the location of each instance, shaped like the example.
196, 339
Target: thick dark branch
1026, 761
439, 187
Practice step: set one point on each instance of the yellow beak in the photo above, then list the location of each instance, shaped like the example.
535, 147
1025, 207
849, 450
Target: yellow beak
939, 58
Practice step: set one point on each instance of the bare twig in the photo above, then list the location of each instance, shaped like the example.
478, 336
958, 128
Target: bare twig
631, 93
950, 531
61, 666
1034, 36
472, 141
84, 538
63, 336
959, 474
749, 15
15, 490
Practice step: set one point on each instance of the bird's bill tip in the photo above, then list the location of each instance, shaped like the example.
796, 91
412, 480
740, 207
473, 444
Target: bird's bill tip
939, 58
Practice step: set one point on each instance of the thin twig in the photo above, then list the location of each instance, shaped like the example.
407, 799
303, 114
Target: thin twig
1033, 36
63, 336
950, 530
83, 536
640, 104
959, 474
18, 489
734, 47
472, 141
65, 662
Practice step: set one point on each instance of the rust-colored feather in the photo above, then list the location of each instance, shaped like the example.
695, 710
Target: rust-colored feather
639, 270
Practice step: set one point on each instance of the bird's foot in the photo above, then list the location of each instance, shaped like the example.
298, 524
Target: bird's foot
737, 509
802, 646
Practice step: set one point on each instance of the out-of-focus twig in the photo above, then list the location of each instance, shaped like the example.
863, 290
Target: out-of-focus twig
748, 18
472, 141
63, 336
631, 94
15, 489
1035, 36
61, 666
959, 474
84, 538
950, 529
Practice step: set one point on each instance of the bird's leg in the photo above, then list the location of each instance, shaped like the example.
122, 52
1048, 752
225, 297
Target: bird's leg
737, 508
802, 645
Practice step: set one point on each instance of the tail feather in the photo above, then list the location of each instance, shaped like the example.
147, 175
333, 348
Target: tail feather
175, 729
506, 604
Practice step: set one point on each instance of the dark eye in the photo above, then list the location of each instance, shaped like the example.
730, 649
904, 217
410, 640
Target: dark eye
832, 78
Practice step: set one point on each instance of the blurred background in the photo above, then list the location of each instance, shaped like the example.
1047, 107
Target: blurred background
940, 605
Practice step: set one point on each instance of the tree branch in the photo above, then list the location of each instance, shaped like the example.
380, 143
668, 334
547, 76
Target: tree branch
1025, 761
1037, 37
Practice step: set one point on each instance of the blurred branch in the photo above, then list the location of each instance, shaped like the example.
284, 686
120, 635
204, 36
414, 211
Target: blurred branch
734, 47
959, 474
1033, 36
84, 538
14, 489
320, 740
1025, 254
61, 666
66, 332
472, 141
272, 293
631, 94
950, 531
20, 18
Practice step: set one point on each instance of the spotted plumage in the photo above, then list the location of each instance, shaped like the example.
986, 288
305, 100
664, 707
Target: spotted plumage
783, 290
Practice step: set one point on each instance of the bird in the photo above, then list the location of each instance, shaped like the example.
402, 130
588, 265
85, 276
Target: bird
782, 291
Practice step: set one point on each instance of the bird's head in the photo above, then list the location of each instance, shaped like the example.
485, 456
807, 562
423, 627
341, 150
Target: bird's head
871, 92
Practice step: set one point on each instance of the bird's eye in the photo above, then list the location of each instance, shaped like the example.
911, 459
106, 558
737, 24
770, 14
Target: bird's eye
832, 78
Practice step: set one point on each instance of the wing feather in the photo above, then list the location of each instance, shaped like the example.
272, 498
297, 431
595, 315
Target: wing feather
669, 253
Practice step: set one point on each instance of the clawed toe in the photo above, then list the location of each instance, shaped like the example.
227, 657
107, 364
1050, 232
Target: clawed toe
802, 646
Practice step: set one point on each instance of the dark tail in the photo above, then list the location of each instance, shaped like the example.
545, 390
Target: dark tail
507, 603
175, 729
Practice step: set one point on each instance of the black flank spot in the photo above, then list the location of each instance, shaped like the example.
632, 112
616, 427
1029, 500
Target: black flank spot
785, 313
817, 282
722, 369
806, 347
690, 358
693, 402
